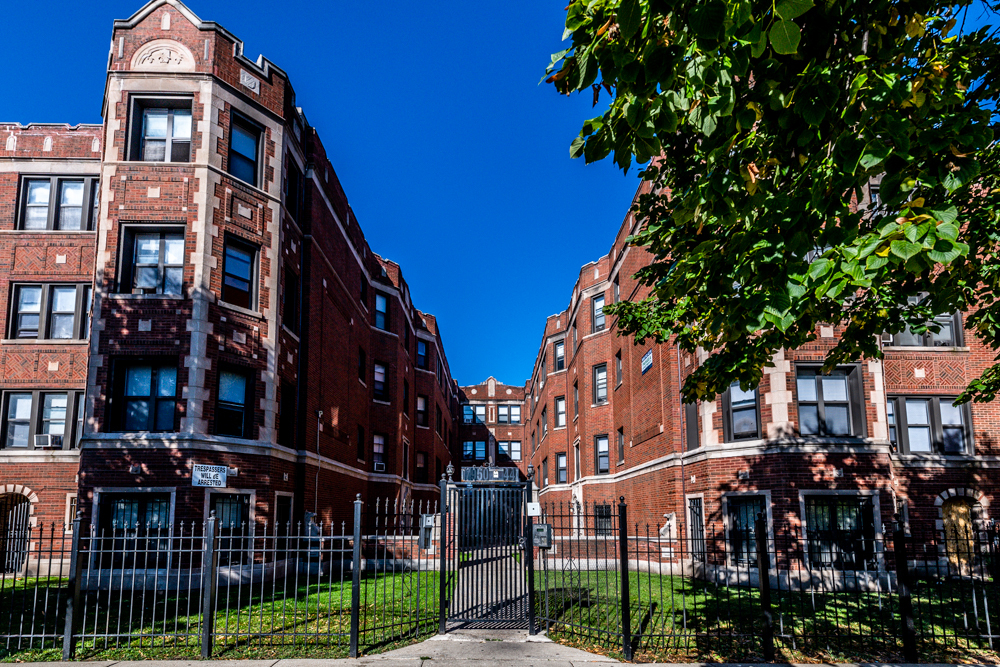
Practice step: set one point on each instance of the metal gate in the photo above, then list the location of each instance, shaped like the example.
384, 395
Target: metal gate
485, 567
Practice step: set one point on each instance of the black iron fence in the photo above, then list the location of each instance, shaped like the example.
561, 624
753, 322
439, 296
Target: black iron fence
210, 588
738, 592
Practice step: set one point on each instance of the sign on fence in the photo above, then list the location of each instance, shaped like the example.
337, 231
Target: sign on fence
491, 474
206, 475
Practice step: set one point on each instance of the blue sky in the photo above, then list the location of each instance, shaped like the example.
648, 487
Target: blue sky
455, 161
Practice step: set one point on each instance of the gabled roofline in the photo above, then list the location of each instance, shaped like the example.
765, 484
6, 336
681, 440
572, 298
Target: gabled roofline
262, 65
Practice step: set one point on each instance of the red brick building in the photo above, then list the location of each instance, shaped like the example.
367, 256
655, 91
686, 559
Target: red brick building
823, 454
239, 318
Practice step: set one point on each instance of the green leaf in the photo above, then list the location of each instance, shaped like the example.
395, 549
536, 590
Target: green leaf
820, 268
708, 21
576, 148
758, 40
875, 153
954, 178
947, 231
790, 9
904, 249
785, 37
948, 215
629, 18
946, 252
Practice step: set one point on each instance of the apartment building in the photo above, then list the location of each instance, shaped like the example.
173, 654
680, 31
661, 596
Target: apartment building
491, 429
190, 293
835, 456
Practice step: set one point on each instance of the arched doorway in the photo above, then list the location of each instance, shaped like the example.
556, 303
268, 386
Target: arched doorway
962, 518
15, 512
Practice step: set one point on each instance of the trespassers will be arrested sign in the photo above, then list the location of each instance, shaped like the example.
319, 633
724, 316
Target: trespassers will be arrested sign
206, 475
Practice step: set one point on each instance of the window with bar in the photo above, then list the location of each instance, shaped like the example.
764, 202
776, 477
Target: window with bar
742, 513
840, 531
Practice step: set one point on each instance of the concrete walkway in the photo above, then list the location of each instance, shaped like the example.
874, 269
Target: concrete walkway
481, 648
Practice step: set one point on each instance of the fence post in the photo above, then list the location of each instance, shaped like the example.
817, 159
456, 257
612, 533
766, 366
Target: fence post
443, 567
209, 567
529, 555
73, 592
626, 596
907, 626
356, 579
764, 583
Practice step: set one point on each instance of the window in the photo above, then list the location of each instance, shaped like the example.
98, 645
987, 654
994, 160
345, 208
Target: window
598, 306
480, 413
696, 524
422, 354
739, 409
545, 471
421, 410
406, 396
576, 460
80, 415
742, 513
59, 203
421, 472
381, 312
616, 295
152, 260
601, 447
618, 369
361, 443
290, 301
50, 312
481, 450
560, 355
545, 421
378, 452
232, 415
691, 425
238, 274
603, 520
949, 334
161, 130
468, 450
840, 531
133, 525
406, 460
41, 419
561, 412
621, 445
534, 443
364, 292
380, 387
541, 369
293, 188
468, 414
244, 147
576, 400
574, 337
362, 364
560, 468
515, 414
600, 384
515, 450
925, 425
287, 416
503, 414
509, 450
440, 421
829, 405
147, 395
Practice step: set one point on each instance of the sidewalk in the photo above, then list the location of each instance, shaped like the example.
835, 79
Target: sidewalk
482, 648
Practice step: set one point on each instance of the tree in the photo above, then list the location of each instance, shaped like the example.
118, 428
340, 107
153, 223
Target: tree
764, 125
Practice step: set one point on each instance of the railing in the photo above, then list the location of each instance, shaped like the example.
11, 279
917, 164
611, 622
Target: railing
742, 594
208, 589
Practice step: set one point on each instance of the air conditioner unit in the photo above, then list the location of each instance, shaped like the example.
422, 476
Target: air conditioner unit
48, 441
379, 467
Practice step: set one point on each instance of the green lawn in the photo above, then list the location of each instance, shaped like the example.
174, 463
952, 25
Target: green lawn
284, 618
676, 619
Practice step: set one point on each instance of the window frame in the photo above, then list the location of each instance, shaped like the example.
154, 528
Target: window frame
118, 396
855, 401
379, 457
926, 339
544, 421
597, 314
252, 290
559, 401
620, 437
727, 417
141, 102
249, 126
91, 191
126, 274
423, 416
382, 316
81, 312
619, 372
72, 430
900, 425
692, 441
597, 398
380, 393
248, 396
559, 352
597, 454
291, 311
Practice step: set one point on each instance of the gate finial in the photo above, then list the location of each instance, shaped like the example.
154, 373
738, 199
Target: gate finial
451, 471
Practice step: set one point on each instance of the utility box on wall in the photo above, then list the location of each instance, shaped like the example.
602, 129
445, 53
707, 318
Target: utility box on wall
542, 535
425, 537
